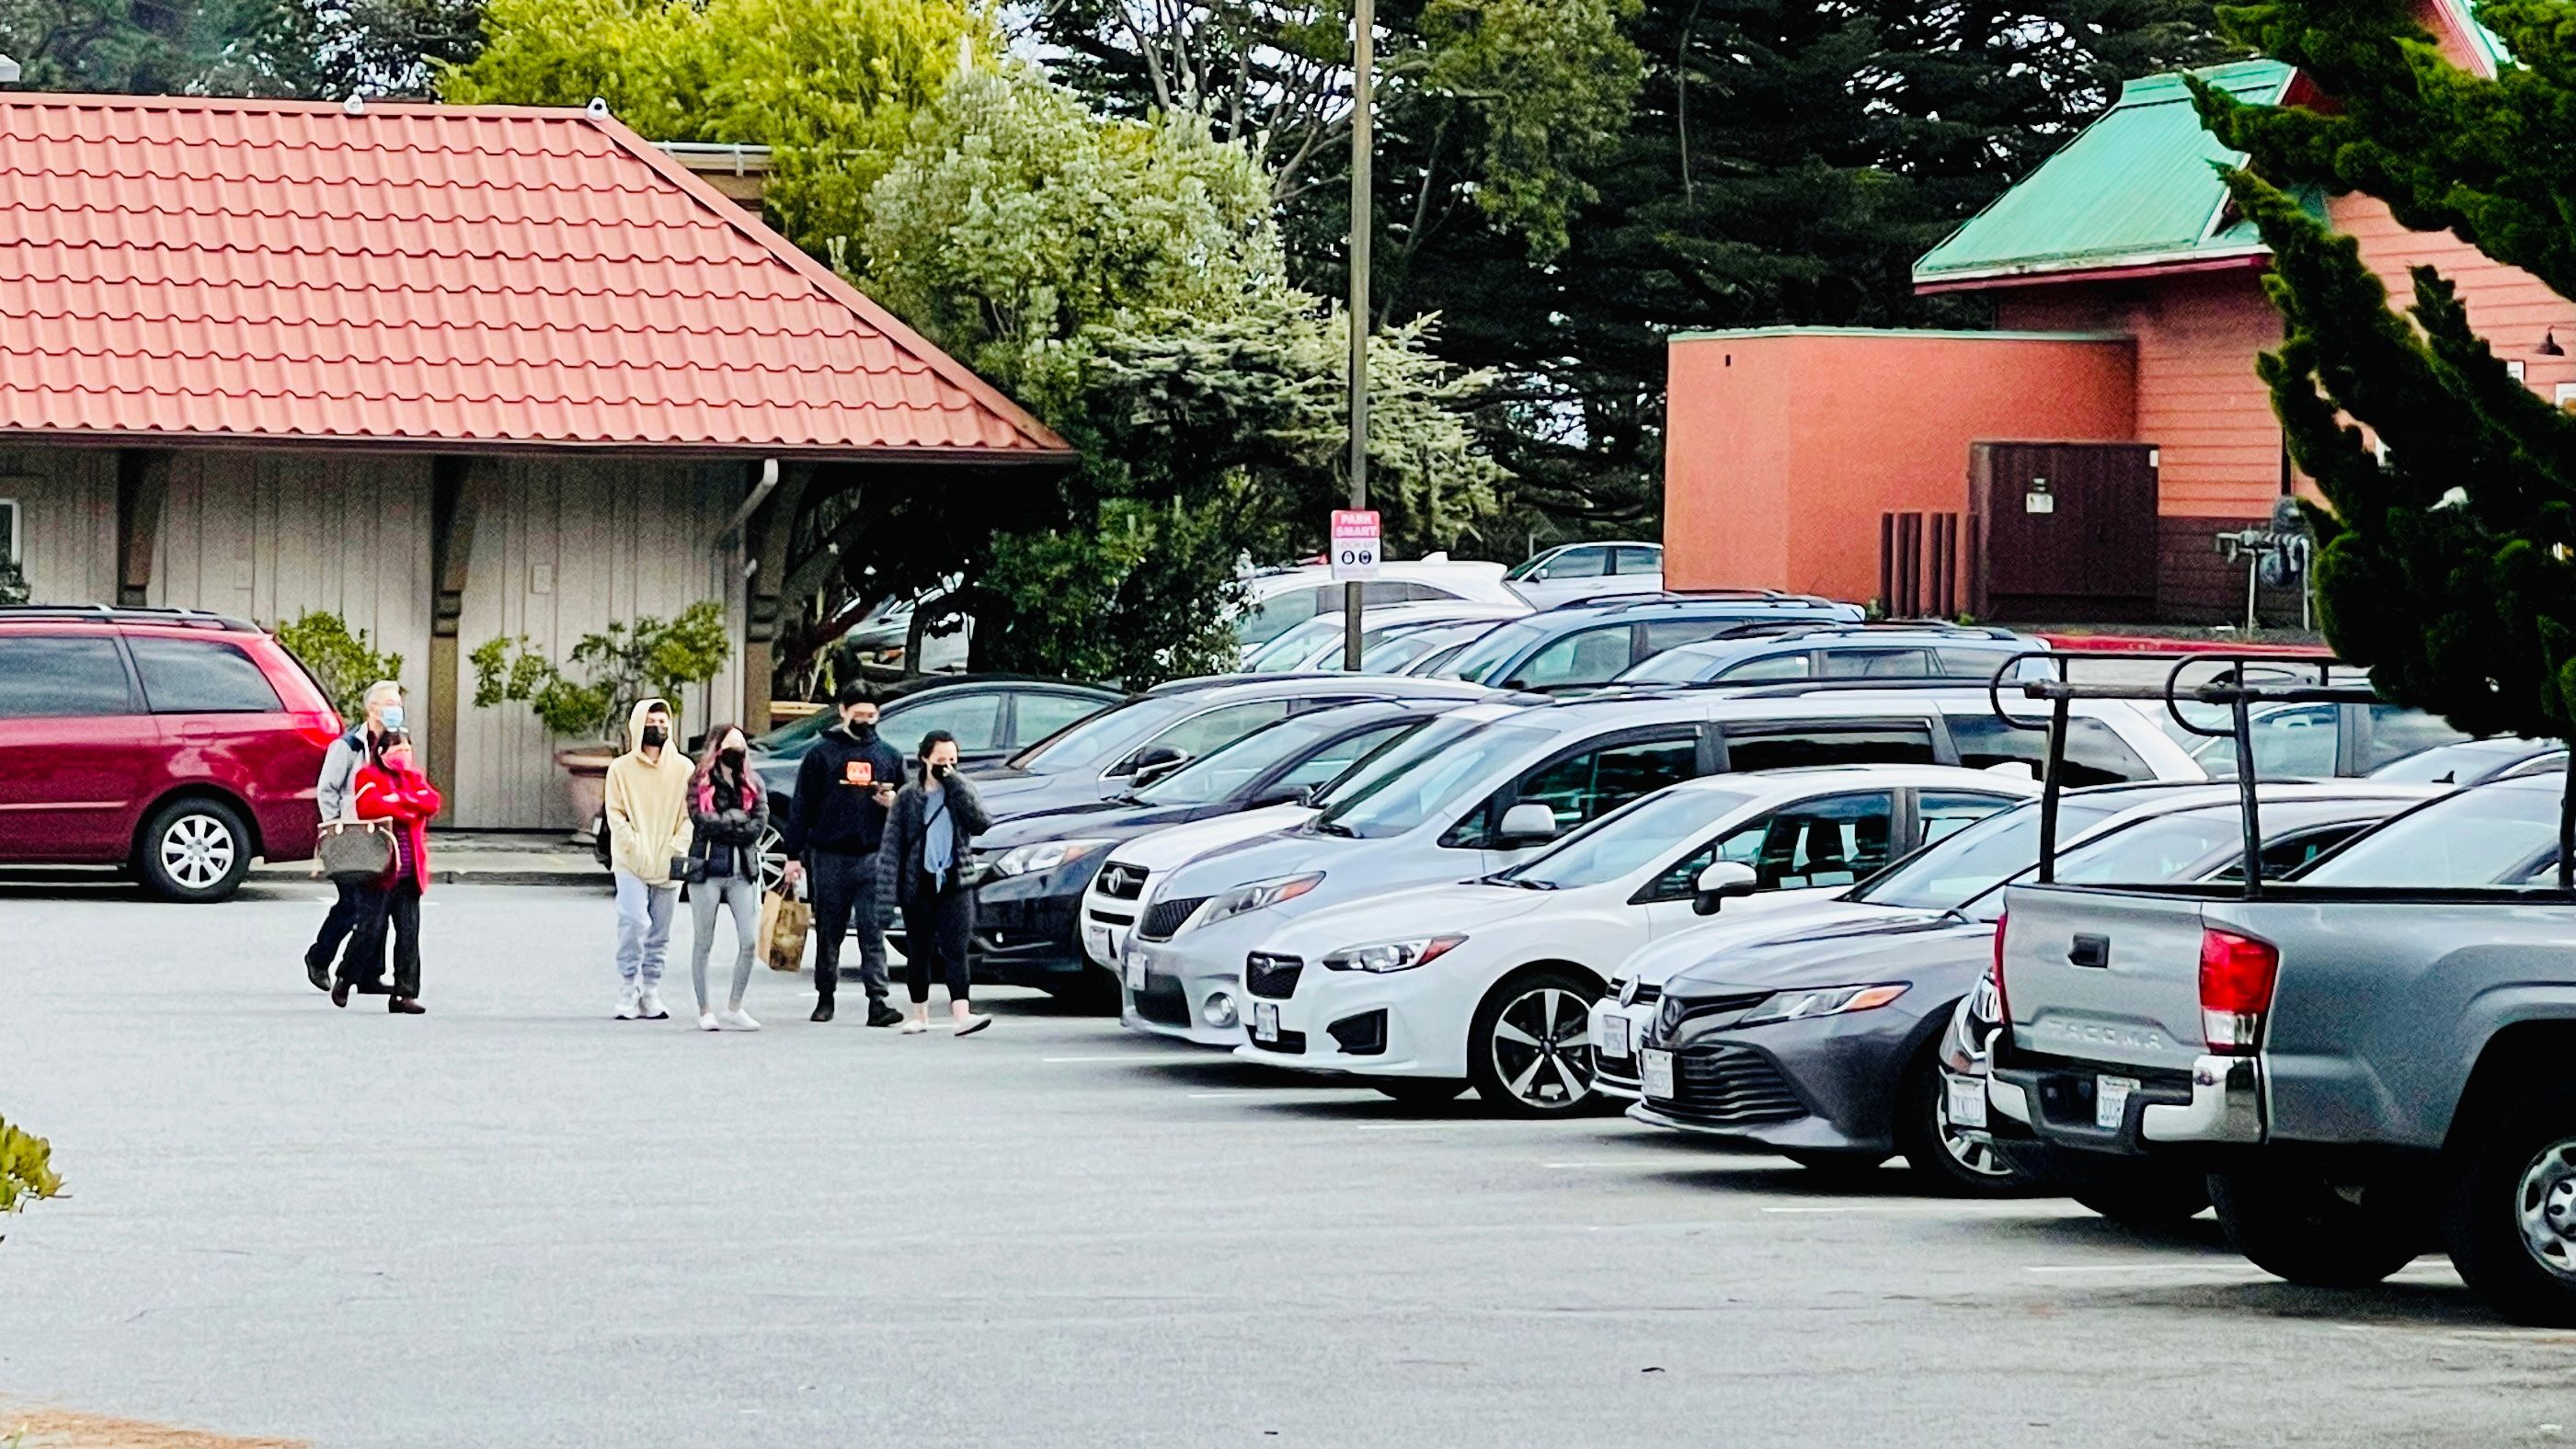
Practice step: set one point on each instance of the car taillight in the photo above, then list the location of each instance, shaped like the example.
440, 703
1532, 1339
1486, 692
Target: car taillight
318, 727
2237, 974
2003, 1003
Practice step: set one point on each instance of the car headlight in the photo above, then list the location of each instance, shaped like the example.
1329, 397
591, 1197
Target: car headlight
1258, 896
1042, 855
1823, 1001
1387, 956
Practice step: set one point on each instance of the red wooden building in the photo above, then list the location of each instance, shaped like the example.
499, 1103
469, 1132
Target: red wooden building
2128, 309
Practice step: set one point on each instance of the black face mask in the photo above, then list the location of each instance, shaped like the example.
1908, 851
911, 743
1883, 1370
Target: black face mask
731, 760
864, 731
654, 735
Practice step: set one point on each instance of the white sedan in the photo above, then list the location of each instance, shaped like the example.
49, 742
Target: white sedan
1490, 982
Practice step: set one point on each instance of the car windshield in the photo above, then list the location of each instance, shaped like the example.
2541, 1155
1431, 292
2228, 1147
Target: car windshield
2478, 837
1974, 860
2448, 764
1293, 648
1627, 839
1395, 755
1494, 653
1685, 665
2153, 850
1429, 781
790, 741
1101, 737
1221, 774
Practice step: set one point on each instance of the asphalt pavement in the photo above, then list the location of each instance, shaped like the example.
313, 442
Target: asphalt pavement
516, 1222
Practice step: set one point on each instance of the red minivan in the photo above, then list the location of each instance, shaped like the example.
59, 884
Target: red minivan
177, 744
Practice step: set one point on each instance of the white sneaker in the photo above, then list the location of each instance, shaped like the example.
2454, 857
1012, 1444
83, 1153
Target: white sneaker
706, 1021
971, 1023
649, 1006
915, 1026
628, 1003
737, 1020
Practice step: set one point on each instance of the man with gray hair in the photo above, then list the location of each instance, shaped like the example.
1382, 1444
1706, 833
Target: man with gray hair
340, 764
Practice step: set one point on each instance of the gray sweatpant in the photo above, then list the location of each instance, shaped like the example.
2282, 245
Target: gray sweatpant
744, 897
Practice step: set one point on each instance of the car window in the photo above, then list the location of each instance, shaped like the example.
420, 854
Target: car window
1484, 661
1778, 666
1294, 646
1329, 763
1674, 633
1579, 563
1280, 613
199, 676
974, 718
1976, 663
1828, 842
2095, 753
1424, 776
1588, 785
2477, 837
1766, 747
2396, 733
1041, 715
2293, 852
1941, 814
1630, 561
2292, 741
61, 677
1591, 656
1210, 730
1090, 742
1876, 664
2151, 851
1396, 591
1973, 860
1626, 840
791, 740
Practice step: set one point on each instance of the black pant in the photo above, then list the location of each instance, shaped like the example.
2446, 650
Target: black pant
936, 920
397, 906
348, 915
844, 888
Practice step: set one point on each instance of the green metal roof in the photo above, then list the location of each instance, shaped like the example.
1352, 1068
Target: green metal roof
2139, 187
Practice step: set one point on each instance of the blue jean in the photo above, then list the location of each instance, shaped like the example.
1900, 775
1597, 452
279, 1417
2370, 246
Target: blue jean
643, 929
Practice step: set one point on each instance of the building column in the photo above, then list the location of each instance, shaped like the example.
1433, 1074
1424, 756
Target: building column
455, 503
766, 538
142, 493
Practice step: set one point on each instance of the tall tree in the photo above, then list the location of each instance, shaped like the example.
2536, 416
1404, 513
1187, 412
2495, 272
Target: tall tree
290, 48
2447, 558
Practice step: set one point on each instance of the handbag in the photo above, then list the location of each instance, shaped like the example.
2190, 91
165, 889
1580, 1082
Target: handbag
784, 922
354, 852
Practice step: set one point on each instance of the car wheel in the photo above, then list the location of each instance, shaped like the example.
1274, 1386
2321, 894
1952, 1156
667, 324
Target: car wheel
1419, 1091
2510, 1220
1529, 1048
195, 851
1952, 1162
773, 860
2313, 1232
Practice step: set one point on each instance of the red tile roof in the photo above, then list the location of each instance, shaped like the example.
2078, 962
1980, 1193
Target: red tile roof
467, 277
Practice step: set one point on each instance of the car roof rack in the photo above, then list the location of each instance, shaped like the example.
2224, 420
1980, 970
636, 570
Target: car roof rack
1793, 688
117, 614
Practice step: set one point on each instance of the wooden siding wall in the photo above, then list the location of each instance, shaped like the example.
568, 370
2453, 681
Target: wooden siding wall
621, 538
66, 521
2510, 308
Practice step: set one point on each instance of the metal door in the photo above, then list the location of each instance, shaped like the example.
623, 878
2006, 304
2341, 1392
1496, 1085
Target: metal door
2067, 531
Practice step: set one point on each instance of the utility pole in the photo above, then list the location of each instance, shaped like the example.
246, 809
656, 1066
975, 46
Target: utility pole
1363, 53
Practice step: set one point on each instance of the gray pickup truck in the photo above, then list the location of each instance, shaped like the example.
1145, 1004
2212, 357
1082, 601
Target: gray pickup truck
2370, 1061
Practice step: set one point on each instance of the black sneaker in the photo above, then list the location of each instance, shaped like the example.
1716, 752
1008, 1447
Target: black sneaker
318, 971
880, 1014
822, 1009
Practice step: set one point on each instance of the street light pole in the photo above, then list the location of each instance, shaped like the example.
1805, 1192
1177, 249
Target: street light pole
1363, 53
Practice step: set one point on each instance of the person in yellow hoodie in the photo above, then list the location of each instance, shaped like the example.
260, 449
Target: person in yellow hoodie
648, 825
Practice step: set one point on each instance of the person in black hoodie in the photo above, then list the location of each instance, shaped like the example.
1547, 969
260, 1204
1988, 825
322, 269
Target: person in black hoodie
844, 787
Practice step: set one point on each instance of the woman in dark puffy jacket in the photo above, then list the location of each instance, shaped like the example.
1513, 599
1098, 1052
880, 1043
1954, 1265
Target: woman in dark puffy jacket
730, 811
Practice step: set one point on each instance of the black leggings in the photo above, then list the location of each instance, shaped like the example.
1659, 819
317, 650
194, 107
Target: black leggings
397, 907
936, 922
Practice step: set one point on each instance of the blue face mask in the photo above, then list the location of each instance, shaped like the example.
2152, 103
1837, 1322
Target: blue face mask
393, 718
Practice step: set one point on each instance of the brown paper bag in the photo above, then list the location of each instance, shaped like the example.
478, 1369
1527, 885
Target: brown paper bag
784, 923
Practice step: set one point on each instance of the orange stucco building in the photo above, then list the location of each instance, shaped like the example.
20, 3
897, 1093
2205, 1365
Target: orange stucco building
2129, 309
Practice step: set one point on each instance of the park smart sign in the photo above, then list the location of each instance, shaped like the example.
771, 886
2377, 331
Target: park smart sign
1355, 540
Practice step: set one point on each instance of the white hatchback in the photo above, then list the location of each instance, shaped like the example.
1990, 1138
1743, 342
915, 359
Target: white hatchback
1490, 982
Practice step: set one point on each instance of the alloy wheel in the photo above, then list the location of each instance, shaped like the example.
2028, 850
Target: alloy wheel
197, 851
1974, 1154
1542, 1049
2545, 1208
773, 860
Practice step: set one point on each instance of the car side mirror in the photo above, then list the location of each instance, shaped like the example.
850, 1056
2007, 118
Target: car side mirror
1155, 762
1528, 823
1722, 881
1285, 795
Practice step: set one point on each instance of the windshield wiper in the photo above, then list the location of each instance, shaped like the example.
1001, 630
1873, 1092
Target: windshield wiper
1330, 827
1530, 883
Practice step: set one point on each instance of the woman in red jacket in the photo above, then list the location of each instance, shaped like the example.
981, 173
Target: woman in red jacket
389, 787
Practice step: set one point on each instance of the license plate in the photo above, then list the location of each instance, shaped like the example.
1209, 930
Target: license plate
2111, 1101
1656, 1080
1265, 1021
1101, 946
1967, 1101
1614, 1035
1135, 973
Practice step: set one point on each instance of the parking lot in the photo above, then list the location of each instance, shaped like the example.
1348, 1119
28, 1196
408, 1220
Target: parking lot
514, 1221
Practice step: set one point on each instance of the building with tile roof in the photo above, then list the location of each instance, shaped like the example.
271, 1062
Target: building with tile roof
2128, 309
450, 372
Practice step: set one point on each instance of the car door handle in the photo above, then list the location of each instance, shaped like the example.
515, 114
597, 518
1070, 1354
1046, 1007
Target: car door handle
2094, 951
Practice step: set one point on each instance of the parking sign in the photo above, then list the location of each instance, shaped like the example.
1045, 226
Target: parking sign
1354, 544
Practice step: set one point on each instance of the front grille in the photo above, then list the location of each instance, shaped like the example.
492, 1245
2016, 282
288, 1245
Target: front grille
1164, 917
1648, 995
1363, 1035
1679, 1009
1122, 882
1272, 976
1730, 1086
1109, 918
1163, 1002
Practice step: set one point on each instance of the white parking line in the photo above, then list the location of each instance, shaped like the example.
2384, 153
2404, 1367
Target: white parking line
1143, 1059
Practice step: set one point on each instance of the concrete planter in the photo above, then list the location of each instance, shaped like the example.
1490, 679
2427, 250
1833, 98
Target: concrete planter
585, 786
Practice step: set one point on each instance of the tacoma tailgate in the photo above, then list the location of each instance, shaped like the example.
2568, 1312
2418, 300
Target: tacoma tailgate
2102, 976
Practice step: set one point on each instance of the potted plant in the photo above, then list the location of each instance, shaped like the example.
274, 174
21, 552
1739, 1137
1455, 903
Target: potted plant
344, 661
588, 697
